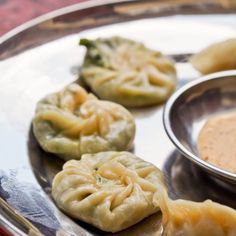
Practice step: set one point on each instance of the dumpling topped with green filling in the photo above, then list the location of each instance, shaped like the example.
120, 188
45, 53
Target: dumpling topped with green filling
72, 122
126, 72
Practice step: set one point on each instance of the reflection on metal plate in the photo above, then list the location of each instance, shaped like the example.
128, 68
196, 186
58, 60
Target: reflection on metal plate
45, 56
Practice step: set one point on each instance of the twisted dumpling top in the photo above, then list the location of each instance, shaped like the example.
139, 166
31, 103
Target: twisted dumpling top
127, 72
111, 190
73, 122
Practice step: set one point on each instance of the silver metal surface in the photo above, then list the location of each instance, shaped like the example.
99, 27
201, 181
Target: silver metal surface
188, 109
43, 56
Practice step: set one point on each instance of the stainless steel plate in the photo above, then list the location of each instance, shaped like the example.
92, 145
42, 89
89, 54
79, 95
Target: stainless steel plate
43, 56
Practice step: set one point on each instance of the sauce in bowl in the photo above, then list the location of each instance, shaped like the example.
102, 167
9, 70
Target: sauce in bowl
217, 141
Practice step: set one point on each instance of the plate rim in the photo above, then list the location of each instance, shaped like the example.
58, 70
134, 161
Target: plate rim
85, 4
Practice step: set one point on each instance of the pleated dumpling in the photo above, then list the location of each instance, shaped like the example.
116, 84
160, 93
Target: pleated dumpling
200, 219
110, 190
72, 122
185, 218
216, 57
127, 72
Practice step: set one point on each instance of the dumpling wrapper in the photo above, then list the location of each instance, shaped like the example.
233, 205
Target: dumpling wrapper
126, 72
216, 57
72, 122
187, 218
110, 190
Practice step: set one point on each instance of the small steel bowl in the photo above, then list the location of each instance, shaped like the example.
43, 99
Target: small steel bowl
188, 109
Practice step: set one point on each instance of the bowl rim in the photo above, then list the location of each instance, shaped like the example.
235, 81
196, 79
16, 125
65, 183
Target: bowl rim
167, 124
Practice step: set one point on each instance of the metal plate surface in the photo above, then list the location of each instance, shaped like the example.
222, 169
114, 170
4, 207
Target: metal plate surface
43, 56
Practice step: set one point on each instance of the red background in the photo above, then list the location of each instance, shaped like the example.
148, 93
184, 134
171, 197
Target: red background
16, 12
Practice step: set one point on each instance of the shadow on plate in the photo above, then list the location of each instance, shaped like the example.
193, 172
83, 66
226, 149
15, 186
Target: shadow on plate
188, 181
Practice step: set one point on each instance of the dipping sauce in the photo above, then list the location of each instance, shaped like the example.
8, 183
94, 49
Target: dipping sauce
217, 141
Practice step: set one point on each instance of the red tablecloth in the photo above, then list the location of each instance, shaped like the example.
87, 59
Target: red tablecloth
16, 12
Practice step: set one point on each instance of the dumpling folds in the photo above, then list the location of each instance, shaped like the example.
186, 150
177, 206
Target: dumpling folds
217, 57
185, 218
72, 122
110, 190
127, 72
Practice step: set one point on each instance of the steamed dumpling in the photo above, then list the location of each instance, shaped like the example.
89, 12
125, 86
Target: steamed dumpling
200, 219
216, 57
72, 122
110, 190
127, 72
185, 218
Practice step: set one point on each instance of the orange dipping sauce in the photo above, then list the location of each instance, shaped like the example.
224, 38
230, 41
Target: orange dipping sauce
217, 141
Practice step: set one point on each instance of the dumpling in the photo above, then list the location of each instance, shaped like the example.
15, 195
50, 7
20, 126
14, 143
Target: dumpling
72, 122
217, 57
126, 72
185, 218
110, 190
